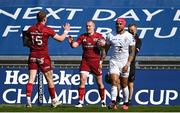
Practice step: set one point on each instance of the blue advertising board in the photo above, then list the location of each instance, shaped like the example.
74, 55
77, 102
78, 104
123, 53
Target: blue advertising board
152, 87
158, 23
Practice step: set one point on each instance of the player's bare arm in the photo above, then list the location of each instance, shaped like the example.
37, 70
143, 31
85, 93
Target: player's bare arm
102, 58
63, 36
104, 51
130, 58
103, 54
131, 53
72, 43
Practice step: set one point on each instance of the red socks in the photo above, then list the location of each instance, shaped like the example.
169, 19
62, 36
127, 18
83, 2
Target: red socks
102, 92
29, 88
52, 92
81, 93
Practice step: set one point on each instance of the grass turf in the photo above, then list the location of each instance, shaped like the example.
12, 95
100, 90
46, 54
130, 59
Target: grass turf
89, 108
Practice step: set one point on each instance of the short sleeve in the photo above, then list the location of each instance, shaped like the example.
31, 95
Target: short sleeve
51, 32
79, 40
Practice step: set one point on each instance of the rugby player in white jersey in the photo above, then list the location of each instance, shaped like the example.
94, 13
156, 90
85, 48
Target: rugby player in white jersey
122, 46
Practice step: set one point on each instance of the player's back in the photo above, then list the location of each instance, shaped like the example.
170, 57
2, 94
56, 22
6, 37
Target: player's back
39, 34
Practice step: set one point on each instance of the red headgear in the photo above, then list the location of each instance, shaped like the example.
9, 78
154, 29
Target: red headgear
122, 20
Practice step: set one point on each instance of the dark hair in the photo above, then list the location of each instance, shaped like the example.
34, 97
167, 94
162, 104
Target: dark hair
41, 15
133, 24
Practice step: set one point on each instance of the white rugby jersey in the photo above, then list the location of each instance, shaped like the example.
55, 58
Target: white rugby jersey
120, 45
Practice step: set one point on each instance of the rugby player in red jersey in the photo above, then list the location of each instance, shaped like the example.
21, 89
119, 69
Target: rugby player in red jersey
38, 36
92, 59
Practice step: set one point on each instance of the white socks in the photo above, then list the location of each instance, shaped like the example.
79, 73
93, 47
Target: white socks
126, 94
28, 100
53, 100
114, 93
81, 101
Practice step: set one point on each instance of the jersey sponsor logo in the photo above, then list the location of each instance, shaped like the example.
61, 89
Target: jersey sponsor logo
84, 40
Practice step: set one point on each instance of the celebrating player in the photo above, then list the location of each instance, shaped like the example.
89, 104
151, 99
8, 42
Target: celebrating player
92, 60
38, 35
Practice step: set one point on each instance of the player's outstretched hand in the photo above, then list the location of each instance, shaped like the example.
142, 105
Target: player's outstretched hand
66, 27
70, 39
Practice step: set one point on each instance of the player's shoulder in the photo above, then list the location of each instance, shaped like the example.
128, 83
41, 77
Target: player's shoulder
83, 35
98, 34
129, 36
47, 27
111, 34
32, 27
49, 30
127, 33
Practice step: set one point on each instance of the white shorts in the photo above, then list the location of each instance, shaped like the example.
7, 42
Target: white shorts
116, 67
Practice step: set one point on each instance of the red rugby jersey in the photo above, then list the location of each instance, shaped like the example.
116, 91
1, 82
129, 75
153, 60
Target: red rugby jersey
89, 45
39, 34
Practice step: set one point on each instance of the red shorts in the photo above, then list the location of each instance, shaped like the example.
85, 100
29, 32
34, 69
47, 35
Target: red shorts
43, 62
90, 66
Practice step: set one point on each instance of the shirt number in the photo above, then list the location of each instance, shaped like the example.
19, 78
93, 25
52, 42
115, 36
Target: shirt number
37, 40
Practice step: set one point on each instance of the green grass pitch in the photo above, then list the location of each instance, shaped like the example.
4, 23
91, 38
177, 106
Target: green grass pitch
89, 108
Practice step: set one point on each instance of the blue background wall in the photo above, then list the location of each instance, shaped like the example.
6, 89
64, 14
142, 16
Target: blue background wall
160, 34
152, 87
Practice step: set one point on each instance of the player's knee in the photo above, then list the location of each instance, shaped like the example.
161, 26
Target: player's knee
50, 84
124, 84
114, 82
82, 81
